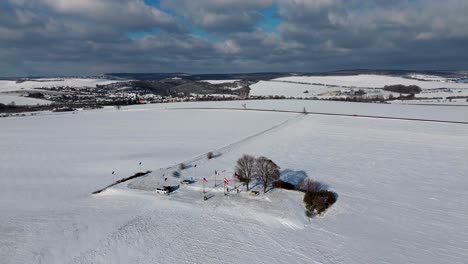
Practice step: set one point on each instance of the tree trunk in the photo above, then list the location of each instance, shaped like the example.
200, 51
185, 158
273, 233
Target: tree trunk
265, 184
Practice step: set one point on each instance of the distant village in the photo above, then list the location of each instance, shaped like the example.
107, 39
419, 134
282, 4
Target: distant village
139, 92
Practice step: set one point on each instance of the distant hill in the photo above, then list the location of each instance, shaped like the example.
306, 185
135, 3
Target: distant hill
198, 77
255, 76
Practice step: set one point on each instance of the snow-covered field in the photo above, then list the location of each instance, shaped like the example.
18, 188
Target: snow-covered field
401, 185
458, 102
450, 113
328, 86
21, 100
263, 88
426, 77
9, 86
219, 81
371, 81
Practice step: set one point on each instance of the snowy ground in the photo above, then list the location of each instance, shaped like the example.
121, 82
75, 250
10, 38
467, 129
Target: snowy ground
51, 164
21, 100
401, 186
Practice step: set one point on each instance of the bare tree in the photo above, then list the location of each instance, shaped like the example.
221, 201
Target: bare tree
267, 171
245, 168
309, 185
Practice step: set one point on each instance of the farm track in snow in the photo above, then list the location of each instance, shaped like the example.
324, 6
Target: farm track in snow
227, 148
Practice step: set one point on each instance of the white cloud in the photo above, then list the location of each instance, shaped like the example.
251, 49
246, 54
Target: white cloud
228, 47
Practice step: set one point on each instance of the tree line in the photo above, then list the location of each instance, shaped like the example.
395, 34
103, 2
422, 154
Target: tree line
403, 89
316, 197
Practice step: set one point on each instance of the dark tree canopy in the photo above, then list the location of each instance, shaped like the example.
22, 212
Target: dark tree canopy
318, 202
403, 89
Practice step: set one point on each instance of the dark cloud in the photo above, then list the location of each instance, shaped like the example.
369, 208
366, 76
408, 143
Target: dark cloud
47, 37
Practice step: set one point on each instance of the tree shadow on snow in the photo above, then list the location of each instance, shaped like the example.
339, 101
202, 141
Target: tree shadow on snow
293, 177
252, 184
208, 196
268, 189
217, 155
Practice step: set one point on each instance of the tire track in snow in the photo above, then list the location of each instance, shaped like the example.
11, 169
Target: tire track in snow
227, 148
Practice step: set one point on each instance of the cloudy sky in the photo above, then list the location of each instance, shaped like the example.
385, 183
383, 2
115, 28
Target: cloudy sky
68, 37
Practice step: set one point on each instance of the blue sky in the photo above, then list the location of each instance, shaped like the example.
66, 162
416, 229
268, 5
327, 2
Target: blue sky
55, 37
270, 19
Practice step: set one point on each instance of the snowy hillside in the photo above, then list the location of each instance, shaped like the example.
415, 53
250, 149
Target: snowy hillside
401, 185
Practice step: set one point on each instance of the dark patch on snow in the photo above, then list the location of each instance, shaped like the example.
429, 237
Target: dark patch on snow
293, 177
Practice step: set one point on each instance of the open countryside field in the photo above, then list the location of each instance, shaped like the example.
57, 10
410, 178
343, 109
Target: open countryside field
435, 89
400, 185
